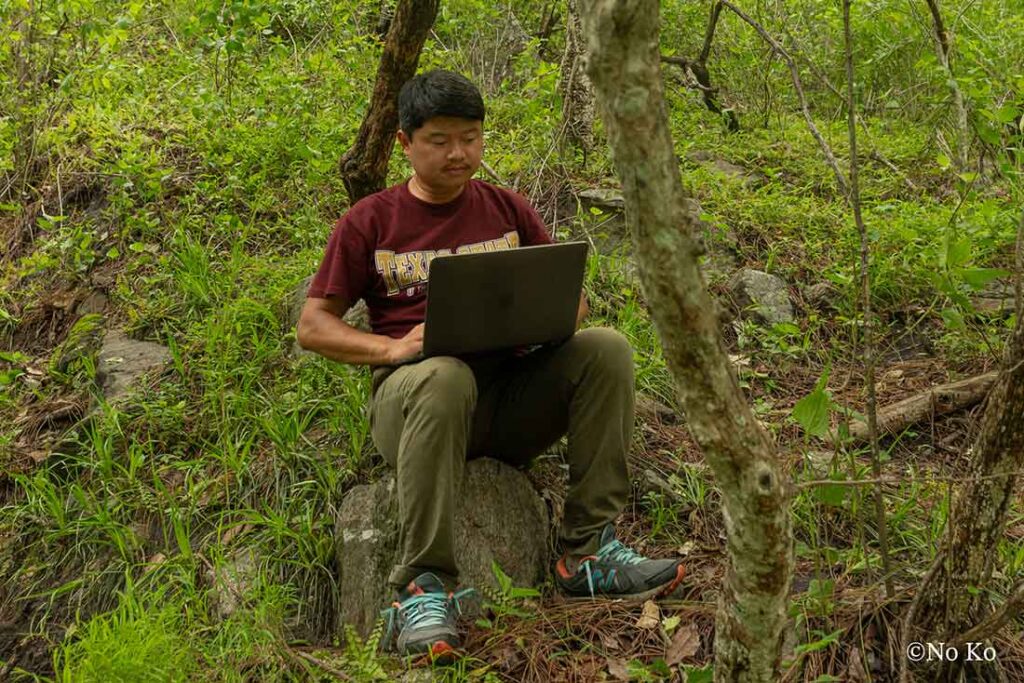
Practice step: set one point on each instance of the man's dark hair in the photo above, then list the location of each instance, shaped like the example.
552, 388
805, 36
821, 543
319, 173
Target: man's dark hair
437, 93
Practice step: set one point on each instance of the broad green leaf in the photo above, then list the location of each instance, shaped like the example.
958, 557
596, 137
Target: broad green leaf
958, 252
832, 495
953, 319
820, 644
1007, 114
943, 161
811, 412
979, 277
988, 134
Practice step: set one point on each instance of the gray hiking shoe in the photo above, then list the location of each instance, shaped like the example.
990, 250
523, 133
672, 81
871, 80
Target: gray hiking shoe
425, 617
617, 571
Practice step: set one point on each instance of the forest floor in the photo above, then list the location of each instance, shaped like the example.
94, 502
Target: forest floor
183, 199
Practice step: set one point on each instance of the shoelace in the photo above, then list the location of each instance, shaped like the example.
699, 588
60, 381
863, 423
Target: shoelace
424, 610
613, 551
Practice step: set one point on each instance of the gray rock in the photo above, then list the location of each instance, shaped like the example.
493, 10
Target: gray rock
602, 198
601, 221
821, 296
819, 463
750, 179
650, 409
996, 300
123, 361
762, 297
95, 302
232, 581
499, 517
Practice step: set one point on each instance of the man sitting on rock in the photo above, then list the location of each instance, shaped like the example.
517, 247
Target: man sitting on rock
428, 417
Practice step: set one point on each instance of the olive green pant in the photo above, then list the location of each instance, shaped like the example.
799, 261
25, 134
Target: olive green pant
427, 418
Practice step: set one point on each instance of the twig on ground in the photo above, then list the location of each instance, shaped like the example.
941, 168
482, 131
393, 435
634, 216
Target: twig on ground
938, 400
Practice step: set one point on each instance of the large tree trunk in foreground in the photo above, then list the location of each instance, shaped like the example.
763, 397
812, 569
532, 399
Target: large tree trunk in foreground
622, 43
364, 166
948, 603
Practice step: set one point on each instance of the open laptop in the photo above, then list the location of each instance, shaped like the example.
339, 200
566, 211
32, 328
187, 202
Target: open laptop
503, 299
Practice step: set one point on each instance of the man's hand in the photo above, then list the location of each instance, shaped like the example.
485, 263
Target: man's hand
406, 347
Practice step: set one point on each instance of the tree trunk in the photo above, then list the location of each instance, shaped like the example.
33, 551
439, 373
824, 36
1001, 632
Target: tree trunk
703, 76
575, 87
949, 601
622, 44
547, 26
364, 166
942, 50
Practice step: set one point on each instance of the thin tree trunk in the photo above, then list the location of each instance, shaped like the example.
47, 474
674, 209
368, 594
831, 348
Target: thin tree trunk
546, 28
869, 322
698, 71
942, 50
364, 166
951, 599
709, 34
622, 44
703, 76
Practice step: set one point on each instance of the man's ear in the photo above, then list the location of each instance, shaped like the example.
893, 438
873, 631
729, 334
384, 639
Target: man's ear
404, 140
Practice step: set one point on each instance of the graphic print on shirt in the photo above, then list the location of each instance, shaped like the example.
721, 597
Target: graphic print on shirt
409, 270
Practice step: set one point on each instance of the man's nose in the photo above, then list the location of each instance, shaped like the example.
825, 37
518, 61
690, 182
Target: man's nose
456, 151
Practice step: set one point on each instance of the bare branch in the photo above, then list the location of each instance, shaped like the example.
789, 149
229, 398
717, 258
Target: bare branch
830, 158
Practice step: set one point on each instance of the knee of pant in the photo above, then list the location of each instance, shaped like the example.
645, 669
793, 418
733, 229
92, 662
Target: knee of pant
444, 384
607, 347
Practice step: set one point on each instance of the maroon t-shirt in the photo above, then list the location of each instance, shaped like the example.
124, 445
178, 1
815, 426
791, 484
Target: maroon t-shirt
381, 248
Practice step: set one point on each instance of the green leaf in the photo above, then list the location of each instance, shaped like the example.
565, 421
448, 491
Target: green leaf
1007, 114
958, 252
979, 277
785, 328
816, 645
989, 134
832, 495
812, 411
13, 357
943, 161
953, 319
704, 674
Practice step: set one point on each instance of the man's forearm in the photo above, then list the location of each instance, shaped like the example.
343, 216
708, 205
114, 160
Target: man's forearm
333, 338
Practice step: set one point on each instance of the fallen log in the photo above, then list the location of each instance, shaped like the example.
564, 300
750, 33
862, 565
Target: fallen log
939, 400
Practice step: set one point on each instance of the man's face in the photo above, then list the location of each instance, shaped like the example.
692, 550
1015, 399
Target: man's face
445, 151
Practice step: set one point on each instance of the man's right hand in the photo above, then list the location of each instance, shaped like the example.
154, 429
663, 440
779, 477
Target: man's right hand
406, 347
